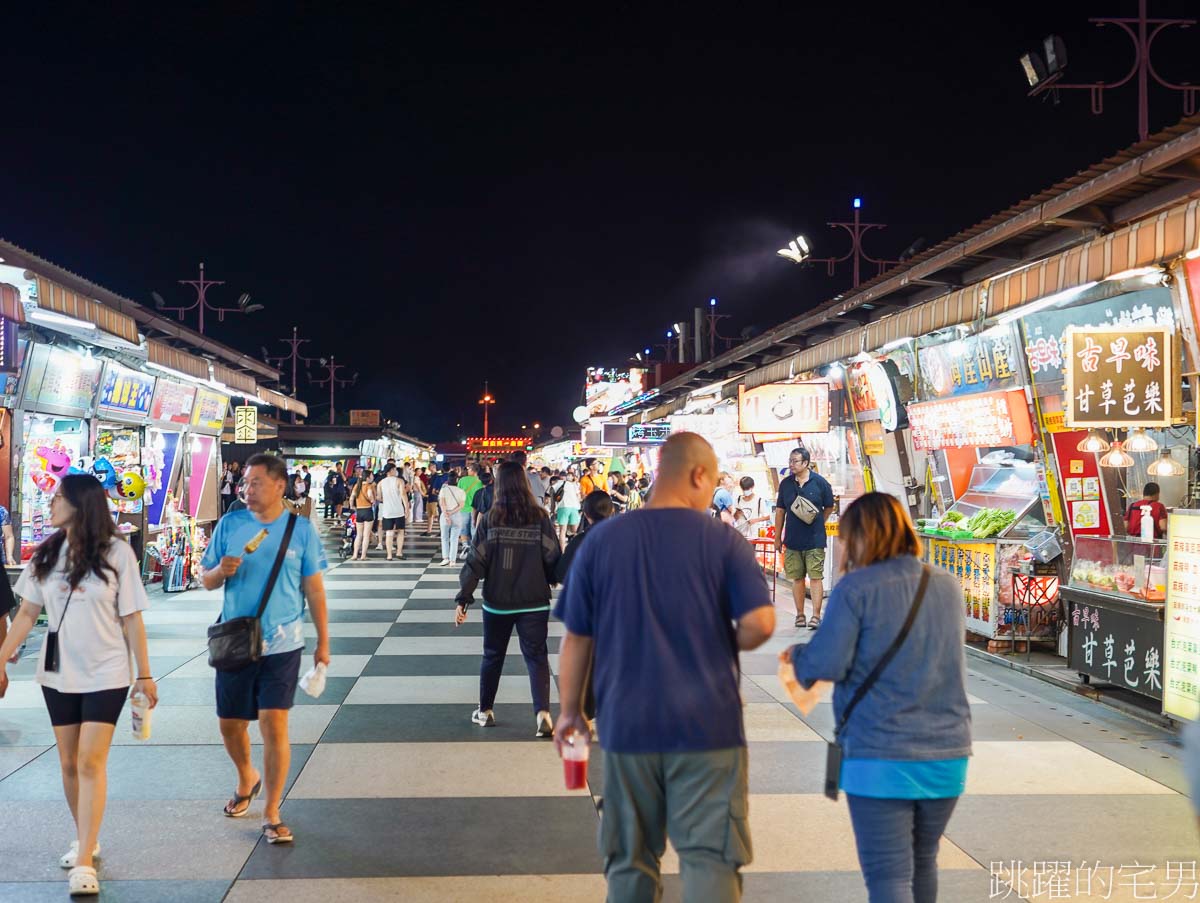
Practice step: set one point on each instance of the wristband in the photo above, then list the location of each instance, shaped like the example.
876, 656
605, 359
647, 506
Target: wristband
144, 678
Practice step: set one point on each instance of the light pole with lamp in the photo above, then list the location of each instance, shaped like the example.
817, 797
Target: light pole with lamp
294, 356
487, 401
331, 366
202, 286
798, 250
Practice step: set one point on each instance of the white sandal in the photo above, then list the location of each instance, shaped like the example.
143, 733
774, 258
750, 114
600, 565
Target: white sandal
82, 881
70, 857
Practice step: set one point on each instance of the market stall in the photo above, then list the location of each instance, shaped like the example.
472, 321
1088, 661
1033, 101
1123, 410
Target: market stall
118, 438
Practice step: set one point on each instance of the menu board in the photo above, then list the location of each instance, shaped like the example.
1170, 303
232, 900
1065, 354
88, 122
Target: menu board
125, 392
60, 379
245, 424
1119, 375
973, 565
173, 402
209, 410
976, 421
1181, 670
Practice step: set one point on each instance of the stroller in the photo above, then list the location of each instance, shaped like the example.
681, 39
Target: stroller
349, 532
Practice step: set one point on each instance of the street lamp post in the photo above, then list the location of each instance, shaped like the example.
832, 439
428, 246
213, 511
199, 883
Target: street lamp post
201, 303
294, 356
798, 252
332, 367
487, 401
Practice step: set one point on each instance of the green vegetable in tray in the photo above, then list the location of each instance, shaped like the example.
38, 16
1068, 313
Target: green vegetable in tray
989, 522
953, 516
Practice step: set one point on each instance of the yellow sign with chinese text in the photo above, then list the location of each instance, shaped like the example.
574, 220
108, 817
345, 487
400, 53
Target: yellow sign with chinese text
245, 424
1181, 642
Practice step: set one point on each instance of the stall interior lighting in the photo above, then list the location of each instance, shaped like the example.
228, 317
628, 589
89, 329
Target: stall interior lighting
1117, 457
1140, 441
1148, 271
1049, 301
176, 373
50, 318
896, 343
1166, 466
1192, 254
1095, 443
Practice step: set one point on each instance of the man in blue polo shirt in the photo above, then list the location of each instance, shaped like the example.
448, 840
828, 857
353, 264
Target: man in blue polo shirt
665, 596
805, 542
240, 559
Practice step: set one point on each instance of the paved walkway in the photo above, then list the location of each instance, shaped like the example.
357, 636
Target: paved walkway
395, 795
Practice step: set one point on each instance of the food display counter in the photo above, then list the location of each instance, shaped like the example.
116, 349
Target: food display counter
981, 540
1115, 601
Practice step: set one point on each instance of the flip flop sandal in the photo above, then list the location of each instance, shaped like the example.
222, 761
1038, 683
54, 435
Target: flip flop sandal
238, 800
814, 622
70, 857
82, 881
273, 835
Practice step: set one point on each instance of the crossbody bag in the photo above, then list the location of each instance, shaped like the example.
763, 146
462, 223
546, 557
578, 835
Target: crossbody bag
833, 755
803, 508
236, 643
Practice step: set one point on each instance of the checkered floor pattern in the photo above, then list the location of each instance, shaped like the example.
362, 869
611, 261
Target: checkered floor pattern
395, 795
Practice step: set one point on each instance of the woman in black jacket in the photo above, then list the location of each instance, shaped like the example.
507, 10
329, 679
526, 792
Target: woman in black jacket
514, 554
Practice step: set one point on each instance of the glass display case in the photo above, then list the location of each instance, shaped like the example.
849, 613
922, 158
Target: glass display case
1010, 487
1122, 567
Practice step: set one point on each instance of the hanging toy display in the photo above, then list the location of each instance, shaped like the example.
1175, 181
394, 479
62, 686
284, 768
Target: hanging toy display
129, 486
49, 466
104, 471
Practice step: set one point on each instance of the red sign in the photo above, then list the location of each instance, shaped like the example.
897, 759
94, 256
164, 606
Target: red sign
172, 402
497, 445
976, 421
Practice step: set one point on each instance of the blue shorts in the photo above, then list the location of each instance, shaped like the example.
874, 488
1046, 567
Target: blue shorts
269, 683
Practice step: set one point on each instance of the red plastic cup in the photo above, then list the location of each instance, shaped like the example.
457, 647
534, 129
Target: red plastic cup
575, 762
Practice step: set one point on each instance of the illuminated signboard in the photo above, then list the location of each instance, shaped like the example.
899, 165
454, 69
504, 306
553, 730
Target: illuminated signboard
1181, 667
172, 402
784, 408
59, 378
245, 424
992, 419
614, 435
364, 418
497, 445
648, 433
209, 410
1119, 375
607, 388
969, 365
125, 392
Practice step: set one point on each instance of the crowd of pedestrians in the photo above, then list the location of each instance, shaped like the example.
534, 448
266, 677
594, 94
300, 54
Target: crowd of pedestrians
658, 691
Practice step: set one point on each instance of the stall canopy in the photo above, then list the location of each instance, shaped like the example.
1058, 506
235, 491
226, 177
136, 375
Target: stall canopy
53, 297
282, 402
234, 379
165, 356
10, 304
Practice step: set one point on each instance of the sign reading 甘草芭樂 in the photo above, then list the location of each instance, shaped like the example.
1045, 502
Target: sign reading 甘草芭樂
1119, 376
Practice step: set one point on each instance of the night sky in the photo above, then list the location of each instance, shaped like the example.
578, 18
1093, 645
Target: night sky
443, 193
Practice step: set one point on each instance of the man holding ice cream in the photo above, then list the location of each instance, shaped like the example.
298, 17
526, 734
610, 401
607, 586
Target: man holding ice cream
240, 557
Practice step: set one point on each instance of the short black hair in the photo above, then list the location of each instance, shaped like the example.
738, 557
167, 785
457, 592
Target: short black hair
276, 468
597, 506
802, 452
391, 468
547, 470
588, 462
519, 456
747, 484
1150, 490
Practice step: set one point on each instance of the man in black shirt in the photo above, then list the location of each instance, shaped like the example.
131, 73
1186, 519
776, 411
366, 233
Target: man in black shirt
804, 537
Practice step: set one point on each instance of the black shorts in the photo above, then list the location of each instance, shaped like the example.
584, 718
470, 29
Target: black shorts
100, 706
393, 523
269, 683
364, 515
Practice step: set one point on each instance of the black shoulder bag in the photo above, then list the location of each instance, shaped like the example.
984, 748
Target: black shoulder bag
236, 643
833, 755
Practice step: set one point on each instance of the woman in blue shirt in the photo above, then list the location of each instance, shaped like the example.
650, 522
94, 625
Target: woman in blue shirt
905, 747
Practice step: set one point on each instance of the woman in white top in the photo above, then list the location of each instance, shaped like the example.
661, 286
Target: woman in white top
87, 579
452, 501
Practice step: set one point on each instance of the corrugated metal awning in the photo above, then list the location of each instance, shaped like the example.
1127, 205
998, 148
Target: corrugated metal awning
282, 402
52, 296
234, 379
165, 356
10, 303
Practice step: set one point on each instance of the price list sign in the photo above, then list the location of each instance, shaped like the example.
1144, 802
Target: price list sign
1119, 376
1181, 672
989, 419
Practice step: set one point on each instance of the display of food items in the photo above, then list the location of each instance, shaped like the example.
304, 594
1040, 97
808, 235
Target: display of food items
1120, 579
989, 522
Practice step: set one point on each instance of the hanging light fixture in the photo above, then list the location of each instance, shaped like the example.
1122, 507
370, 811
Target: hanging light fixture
1166, 466
1116, 456
1141, 441
1095, 442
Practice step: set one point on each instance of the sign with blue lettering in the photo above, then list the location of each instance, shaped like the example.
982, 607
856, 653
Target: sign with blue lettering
125, 391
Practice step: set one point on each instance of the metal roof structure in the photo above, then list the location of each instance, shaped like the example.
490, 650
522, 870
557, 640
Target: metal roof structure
1143, 179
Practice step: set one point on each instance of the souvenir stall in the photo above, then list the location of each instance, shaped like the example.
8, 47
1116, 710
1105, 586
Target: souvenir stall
169, 535
118, 438
1121, 381
51, 429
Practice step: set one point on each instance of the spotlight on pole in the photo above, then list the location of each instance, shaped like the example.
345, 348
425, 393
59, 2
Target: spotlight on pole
1043, 69
797, 251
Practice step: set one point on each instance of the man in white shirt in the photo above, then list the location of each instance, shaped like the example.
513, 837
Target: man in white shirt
393, 510
750, 509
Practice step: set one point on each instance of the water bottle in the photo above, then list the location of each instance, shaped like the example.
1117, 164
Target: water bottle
139, 711
313, 682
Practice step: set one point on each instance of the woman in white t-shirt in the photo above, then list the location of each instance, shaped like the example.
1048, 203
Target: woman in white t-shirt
452, 502
87, 579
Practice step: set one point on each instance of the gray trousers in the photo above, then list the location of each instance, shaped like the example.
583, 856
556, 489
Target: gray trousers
699, 800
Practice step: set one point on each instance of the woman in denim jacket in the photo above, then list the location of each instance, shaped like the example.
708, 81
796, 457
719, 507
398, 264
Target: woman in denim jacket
905, 747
